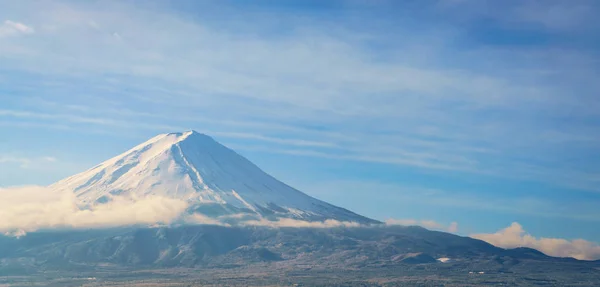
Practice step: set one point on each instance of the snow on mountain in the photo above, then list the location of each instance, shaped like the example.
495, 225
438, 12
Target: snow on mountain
215, 181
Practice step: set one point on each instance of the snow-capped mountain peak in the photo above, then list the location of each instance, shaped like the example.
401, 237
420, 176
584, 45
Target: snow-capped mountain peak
213, 179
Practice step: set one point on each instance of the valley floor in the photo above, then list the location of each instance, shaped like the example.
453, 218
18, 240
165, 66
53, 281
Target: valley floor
282, 275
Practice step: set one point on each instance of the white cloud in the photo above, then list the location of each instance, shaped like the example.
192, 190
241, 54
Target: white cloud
10, 28
26, 162
29, 208
453, 227
515, 236
21, 161
197, 218
49, 158
429, 224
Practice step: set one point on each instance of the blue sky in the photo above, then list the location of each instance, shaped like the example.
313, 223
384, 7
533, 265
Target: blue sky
477, 112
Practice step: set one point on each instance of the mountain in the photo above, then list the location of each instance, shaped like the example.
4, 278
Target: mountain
219, 183
215, 181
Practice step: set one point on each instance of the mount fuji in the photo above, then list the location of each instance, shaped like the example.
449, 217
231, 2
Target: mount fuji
214, 180
233, 194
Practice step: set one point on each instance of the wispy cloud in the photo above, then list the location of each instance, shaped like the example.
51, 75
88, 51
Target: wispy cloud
414, 159
553, 15
515, 236
429, 224
46, 116
10, 28
262, 138
419, 196
26, 162
22, 161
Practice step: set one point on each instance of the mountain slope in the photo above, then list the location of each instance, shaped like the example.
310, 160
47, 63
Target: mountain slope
207, 245
205, 255
214, 180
